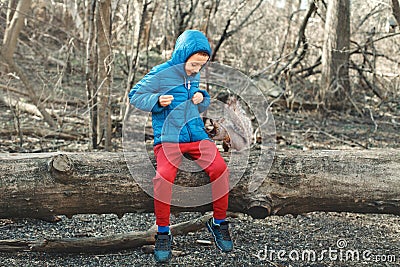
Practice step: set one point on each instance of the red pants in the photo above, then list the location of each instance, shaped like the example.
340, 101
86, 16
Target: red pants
207, 156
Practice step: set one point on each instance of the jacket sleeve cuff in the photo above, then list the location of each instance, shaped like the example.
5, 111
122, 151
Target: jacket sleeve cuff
157, 107
205, 94
206, 101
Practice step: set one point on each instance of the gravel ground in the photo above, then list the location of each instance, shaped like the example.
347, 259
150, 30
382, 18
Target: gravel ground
337, 239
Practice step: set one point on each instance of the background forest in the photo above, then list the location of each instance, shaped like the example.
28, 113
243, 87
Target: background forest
330, 69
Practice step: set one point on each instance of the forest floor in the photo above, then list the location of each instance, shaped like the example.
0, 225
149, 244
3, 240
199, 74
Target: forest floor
313, 239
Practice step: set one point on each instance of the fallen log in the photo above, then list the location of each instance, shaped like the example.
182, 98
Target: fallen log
40, 185
32, 109
44, 133
71, 101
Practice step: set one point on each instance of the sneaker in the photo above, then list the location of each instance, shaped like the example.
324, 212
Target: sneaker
221, 235
162, 250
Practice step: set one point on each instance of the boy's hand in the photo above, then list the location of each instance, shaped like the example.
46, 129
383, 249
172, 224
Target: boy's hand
197, 98
165, 100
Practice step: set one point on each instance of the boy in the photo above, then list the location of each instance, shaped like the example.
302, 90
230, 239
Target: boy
171, 92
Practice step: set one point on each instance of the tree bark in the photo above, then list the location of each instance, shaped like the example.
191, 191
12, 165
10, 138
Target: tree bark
396, 11
15, 24
39, 185
105, 65
91, 74
335, 83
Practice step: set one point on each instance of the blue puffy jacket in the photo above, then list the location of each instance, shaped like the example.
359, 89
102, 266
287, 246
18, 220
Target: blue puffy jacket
180, 122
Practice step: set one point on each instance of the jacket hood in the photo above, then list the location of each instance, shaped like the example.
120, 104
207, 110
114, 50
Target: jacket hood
187, 44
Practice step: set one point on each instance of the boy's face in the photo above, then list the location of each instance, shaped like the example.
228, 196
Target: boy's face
195, 63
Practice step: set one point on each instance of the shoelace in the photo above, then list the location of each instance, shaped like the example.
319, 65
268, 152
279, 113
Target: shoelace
163, 243
223, 229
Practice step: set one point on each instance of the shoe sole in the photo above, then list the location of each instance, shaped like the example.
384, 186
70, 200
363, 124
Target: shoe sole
164, 261
215, 238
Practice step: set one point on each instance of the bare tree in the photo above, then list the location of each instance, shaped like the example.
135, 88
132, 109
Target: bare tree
91, 77
141, 21
396, 11
99, 70
184, 12
15, 23
335, 55
105, 69
300, 49
72, 7
227, 32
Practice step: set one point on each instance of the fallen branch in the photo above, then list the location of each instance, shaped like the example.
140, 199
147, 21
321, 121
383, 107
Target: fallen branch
70, 102
99, 244
33, 109
13, 90
22, 106
43, 133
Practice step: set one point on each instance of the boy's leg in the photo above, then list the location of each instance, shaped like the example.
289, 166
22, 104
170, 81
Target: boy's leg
168, 157
206, 154
209, 158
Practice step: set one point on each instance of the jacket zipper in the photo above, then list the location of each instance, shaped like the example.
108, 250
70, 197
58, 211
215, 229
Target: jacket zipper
187, 86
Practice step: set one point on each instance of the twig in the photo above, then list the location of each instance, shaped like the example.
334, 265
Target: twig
374, 40
339, 139
373, 120
336, 138
266, 260
286, 35
353, 103
371, 86
354, 141
296, 57
228, 33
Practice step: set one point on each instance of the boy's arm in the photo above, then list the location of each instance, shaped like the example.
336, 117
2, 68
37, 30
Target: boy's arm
206, 101
144, 95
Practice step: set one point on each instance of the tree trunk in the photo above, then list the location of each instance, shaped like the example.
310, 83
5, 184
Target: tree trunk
335, 83
396, 11
91, 74
39, 185
105, 65
15, 23
12, 6
73, 9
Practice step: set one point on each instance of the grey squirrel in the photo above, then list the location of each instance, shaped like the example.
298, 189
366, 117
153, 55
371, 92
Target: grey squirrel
234, 129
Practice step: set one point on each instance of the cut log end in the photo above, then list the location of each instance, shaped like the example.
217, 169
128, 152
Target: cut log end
259, 212
62, 163
61, 167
